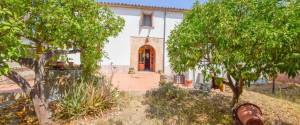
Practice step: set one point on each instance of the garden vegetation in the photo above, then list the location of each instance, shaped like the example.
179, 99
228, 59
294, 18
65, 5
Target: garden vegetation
238, 41
52, 28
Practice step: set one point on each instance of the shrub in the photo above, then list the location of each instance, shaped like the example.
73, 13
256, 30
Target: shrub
86, 97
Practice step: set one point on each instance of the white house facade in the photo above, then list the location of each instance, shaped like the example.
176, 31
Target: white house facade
141, 45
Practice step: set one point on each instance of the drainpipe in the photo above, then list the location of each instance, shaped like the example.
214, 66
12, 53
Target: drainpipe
164, 41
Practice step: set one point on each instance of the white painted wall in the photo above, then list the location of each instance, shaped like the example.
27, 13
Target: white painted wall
75, 58
118, 48
172, 20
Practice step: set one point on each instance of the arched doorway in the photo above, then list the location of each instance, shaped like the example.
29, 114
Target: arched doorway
146, 58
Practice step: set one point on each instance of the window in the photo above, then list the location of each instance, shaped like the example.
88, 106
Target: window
147, 20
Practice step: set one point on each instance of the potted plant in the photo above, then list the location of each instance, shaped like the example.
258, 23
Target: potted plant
179, 79
131, 70
163, 79
70, 62
160, 72
188, 83
141, 67
60, 63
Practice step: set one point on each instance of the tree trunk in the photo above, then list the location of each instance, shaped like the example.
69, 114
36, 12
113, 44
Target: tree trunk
273, 85
235, 97
41, 109
237, 91
38, 93
39, 103
23, 83
234, 89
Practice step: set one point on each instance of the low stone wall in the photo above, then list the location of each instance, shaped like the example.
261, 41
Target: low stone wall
285, 79
53, 74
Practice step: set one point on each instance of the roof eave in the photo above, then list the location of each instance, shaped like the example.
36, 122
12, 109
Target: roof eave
139, 6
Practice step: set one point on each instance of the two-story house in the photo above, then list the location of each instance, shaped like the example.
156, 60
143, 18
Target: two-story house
141, 44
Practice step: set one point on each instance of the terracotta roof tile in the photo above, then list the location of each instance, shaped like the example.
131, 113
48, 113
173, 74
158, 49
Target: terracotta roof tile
141, 6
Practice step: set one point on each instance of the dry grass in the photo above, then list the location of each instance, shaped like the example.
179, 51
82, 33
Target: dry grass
130, 111
290, 92
177, 106
283, 108
169, 105
19, 112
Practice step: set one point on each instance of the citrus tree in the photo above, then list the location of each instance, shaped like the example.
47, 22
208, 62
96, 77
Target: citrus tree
53, 28
244, 39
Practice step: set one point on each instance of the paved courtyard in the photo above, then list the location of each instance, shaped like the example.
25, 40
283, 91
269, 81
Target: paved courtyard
140, 81
8, 86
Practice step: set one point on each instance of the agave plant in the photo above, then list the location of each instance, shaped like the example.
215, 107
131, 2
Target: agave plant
87, 97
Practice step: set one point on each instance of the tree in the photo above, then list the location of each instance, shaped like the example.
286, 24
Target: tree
243, 38
54, 28
282, 35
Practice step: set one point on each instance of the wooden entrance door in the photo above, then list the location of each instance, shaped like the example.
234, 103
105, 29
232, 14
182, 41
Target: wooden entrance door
146, 58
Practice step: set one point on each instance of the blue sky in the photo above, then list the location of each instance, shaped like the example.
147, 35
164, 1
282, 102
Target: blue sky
187, 4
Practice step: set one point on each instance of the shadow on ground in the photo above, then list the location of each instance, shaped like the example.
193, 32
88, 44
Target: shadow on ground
174, 105
17, 110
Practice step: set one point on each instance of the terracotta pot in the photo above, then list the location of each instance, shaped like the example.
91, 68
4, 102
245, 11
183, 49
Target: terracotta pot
163, 79
141, 67
188, 83
60, 64
131, 71
71, 64
249, 114
179, 79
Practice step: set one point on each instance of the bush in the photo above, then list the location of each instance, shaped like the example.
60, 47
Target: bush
86, 97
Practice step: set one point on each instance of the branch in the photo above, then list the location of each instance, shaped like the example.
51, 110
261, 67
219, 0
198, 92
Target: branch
73, 51
230, 82
21, 81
